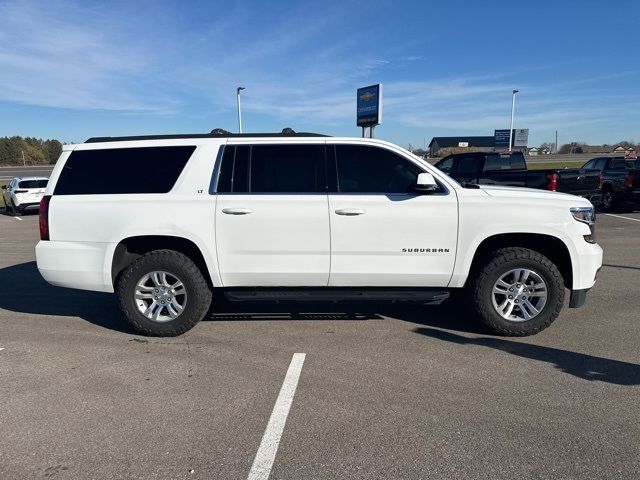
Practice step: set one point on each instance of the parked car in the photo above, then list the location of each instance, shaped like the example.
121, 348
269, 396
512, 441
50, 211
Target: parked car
618, 180
494, 168
23, 194
166, 220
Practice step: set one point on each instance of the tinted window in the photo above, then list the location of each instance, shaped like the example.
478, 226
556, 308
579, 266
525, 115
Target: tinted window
122, 170
33, 184
591, 164
226, 170
365, 169
287, 169
494, 162
445, 164
617, 163
517, 162
468, 165
600, 163
240, 179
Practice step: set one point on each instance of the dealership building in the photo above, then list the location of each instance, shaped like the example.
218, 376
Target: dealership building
479, 144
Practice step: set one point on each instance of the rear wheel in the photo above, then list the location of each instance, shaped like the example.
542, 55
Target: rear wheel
518, 292
163, 293
609, 202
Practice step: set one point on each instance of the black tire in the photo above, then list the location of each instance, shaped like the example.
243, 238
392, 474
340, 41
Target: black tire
499, 263
14, 211
198, 294
609, 201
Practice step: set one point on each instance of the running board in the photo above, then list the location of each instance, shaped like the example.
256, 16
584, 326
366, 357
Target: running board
331, 294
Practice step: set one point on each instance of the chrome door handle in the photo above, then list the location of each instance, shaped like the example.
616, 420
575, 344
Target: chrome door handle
350, 212
237, 211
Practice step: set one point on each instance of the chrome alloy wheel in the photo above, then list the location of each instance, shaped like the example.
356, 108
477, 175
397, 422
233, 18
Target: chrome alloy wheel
519, 295
160, 296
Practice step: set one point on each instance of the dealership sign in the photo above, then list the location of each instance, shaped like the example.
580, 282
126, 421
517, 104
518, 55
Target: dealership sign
369, 106
519, 136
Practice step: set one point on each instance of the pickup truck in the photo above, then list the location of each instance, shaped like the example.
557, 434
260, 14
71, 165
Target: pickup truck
304, 217
493, 168
618, 179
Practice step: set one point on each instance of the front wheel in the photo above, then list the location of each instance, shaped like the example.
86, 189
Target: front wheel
518, 292
163, 293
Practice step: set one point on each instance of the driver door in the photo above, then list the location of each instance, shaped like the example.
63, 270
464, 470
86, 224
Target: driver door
383, 232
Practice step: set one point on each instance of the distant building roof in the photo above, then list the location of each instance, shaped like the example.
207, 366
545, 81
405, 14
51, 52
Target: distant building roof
445, 142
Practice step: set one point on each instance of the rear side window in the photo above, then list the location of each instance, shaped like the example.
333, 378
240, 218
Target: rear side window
618, 164
272, 169
33, 184
365, 169
517, 162
123, 170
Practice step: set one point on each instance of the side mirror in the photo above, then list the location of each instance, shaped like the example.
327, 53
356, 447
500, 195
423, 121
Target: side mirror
4, 187
426, 183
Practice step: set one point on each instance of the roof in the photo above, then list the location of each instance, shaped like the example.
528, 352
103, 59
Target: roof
30, 178
216, 133
444, 142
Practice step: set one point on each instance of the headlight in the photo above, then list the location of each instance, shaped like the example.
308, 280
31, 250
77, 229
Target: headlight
584, 214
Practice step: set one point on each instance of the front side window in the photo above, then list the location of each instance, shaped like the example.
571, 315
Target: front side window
468, 165
446, 164
369, 169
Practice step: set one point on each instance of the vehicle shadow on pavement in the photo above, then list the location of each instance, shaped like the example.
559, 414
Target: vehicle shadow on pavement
30, 294
587, 367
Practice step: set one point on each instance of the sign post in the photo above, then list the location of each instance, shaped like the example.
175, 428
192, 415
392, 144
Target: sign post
369, 108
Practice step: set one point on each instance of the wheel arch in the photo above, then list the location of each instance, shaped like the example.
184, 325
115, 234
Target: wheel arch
551, 247
131, 248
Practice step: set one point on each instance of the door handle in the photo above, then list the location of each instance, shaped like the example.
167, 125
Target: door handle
350, 212
237, 211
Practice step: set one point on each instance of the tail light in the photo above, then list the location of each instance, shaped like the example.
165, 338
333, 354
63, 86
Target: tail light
44, 217
628, 183
599, 181
552, 181
21, 191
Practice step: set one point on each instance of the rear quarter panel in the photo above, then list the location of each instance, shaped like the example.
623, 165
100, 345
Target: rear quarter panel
187, 211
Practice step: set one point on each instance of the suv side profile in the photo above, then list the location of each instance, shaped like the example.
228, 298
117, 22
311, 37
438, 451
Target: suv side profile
303, 217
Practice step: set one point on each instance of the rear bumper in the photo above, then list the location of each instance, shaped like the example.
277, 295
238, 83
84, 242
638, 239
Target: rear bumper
632, 196
23, 207
81, 265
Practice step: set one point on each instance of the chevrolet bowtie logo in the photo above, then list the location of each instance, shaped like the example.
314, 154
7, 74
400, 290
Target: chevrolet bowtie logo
366, 96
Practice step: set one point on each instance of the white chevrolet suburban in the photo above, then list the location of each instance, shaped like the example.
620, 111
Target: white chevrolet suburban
166, 220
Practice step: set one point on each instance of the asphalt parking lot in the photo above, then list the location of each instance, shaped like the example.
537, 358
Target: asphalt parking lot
385, 392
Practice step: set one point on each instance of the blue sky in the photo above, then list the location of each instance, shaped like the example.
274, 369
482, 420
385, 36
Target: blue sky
71, 70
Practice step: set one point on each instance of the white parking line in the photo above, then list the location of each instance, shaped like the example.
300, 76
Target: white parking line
262, 464
620, 216
18, 218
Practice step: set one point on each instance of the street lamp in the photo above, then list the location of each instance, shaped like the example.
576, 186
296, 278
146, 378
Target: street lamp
239, 110
513, 109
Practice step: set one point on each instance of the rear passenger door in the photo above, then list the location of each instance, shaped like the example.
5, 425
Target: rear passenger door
272, 221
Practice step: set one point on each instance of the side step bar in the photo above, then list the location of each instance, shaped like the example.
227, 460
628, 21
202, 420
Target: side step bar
429, 296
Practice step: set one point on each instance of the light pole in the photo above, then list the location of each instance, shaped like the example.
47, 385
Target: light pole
239, 109
513, 109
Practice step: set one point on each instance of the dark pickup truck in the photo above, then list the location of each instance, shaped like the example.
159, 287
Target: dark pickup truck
618, 179
510, 169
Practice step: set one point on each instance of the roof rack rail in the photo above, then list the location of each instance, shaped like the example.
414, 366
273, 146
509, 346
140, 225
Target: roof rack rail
215, 133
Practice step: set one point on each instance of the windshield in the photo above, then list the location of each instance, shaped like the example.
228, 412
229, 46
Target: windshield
33, 184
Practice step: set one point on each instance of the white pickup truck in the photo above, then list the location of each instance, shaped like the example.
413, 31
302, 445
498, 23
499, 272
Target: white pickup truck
166, 220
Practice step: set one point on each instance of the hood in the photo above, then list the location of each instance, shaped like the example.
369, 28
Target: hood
532, 193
